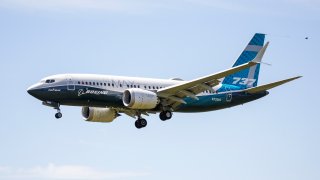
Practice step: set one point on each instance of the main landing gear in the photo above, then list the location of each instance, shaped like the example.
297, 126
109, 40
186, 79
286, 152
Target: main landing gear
141, 123
165, 115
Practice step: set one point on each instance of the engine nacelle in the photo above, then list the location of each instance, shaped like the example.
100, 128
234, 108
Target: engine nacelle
95, 114
136, 98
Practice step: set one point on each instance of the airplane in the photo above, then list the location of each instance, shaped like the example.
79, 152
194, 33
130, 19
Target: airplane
103, 98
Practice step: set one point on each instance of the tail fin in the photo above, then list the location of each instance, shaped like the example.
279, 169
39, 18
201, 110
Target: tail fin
249, 77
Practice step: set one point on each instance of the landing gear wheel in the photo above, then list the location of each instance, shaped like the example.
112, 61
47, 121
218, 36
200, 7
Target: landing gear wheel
165, 115
143, 122
140, 123
162, 116
58, 115
168, 114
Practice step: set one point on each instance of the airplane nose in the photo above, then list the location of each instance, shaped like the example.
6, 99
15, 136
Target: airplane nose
32, 90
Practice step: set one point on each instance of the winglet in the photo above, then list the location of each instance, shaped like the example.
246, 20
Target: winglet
260, 54
270, 86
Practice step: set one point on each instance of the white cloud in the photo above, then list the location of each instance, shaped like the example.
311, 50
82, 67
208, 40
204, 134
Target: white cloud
62, 172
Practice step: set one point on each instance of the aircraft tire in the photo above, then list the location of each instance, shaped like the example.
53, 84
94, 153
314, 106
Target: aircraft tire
165, 115
168, 114
162, 116
58, 115
141, 123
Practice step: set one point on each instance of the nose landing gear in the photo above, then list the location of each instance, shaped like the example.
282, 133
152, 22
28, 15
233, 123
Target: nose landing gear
56, 106
58, 115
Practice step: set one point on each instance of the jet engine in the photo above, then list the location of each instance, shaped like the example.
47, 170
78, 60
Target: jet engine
140, 99
94, 114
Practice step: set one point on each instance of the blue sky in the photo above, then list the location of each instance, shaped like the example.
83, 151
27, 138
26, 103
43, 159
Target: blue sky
276, 137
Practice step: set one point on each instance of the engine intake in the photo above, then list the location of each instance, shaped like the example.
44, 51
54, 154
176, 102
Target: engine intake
136, 98
94, 114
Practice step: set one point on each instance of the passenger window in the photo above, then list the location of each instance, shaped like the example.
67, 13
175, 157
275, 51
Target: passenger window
78, 82
89, 83
128, 86
105, 84
153, 87
138, 86
149, 87
120, 85
108, 84
112, 85
86, 83
134, 86
145, 87
94, 83
82, 82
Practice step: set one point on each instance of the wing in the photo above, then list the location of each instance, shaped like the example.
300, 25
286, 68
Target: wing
173, 95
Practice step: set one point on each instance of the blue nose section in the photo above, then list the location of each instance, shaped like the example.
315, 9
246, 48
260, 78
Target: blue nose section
33, 91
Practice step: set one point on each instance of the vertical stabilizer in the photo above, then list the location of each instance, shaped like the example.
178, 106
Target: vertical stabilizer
249, 77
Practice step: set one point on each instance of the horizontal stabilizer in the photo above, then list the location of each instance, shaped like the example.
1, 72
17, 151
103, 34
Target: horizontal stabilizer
270, 86
260, 54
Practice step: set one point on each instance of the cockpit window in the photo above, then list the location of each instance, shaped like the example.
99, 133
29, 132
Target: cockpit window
50, 81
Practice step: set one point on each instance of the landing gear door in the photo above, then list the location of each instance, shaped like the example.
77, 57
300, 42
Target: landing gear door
70, 84
229, 97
